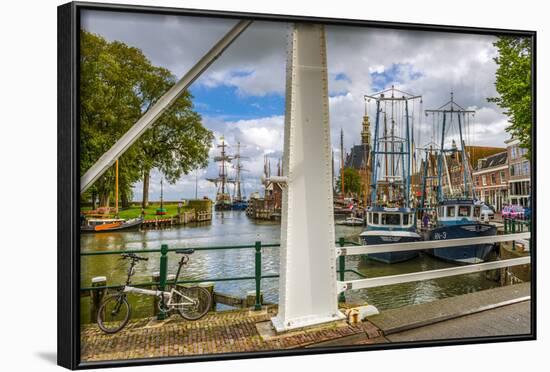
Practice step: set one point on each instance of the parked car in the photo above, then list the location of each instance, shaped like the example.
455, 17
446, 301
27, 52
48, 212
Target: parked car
513, 211
487, 213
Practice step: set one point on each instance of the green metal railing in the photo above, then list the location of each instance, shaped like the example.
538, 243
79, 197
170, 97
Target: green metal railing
513, 225
258, 276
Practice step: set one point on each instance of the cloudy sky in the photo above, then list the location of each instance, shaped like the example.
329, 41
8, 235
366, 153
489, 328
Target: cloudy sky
241, 96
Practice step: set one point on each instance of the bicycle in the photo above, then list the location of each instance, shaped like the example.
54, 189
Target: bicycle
192, 303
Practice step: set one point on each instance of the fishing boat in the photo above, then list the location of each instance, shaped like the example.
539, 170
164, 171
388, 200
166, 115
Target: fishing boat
460, 218
458, 212
390, 217
98, 225
351, 221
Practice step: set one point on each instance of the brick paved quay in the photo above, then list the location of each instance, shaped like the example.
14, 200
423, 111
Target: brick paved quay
221, 332
492, 312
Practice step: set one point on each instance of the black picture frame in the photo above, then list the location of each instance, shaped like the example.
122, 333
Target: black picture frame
68, 335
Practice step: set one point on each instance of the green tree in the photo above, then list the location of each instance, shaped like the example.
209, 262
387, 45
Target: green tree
117, 85
352, 182
177, 143
513, 84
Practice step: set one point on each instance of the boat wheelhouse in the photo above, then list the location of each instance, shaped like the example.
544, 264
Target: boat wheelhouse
390, 225
461, 218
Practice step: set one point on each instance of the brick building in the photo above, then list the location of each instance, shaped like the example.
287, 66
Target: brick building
491, 176
455, 165
519, 182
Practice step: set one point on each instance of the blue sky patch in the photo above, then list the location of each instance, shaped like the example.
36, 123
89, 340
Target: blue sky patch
224, 101
382, 80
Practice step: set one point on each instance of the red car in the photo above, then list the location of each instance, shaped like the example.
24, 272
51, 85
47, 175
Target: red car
513, 211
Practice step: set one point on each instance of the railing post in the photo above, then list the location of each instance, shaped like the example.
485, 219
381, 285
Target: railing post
505, 225
163, 273
342, 268
258, 274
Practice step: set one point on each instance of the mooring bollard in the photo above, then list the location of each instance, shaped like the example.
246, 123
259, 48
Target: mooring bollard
97, 296
258, 274
342, 268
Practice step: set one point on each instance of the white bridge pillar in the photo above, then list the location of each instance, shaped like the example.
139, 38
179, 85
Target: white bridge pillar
307, 283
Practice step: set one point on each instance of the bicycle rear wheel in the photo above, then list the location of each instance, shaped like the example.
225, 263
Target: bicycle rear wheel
114, 314
195, 304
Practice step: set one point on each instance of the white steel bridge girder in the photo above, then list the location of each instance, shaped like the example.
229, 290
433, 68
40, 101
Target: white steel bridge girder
307, 283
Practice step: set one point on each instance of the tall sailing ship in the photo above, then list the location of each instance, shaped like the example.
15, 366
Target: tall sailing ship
457, 209
223, 198
390, 216
239, 201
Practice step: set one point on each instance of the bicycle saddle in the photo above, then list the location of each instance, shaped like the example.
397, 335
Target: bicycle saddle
185, 251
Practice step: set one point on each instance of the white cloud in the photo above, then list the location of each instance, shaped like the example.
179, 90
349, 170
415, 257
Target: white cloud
430, 64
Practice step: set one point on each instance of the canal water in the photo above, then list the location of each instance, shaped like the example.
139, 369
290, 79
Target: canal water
235, 228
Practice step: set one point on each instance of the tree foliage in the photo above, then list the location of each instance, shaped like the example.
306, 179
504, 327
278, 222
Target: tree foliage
352, 182
513, 84
118, 84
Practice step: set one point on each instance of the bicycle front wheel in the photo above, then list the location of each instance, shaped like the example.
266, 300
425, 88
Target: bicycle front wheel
113, 314
194, 304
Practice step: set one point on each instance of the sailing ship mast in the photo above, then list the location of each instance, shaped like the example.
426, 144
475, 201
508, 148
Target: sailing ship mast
237, 194
342, 163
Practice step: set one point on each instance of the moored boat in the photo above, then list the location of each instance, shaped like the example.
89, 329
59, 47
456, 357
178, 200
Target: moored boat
460, 218
98, 225
351, 221
390, 225
458, 213
390, 218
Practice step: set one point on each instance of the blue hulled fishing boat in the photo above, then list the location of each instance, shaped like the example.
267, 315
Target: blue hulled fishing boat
390, 218
458, 212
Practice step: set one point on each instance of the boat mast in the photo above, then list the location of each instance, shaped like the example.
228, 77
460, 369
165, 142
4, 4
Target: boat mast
238, 173
222, 174
196, 183
374, 150
342, 163
116, 188
453, 108
161, 194
408, 176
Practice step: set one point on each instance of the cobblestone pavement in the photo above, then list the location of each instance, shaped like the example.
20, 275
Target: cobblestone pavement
222, 332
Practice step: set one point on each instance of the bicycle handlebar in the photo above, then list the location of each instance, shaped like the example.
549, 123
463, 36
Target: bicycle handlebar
134, 257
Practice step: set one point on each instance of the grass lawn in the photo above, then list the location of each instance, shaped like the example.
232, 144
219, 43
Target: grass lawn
150, 212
